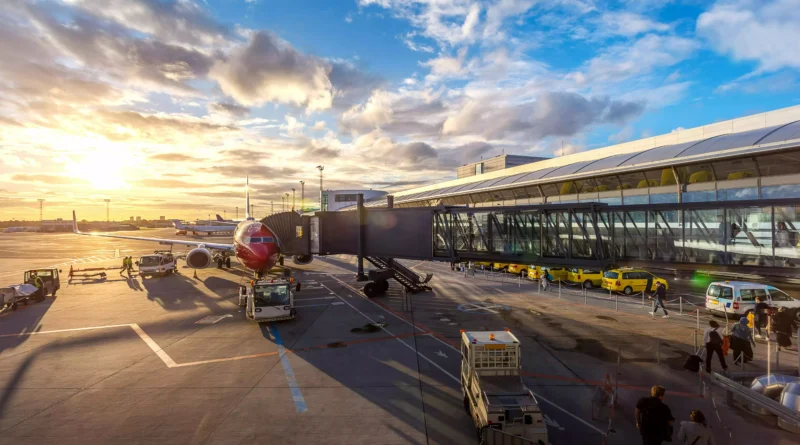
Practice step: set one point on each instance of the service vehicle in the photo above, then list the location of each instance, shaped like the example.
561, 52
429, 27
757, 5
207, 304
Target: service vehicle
482, 264
738, 298
588, 277
50, 278
268, 299
557, 273
535, 272
11, 296
161, 262
491, 383
629, 281
518, 269
499, 267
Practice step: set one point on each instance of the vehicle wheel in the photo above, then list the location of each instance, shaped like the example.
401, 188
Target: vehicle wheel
228, 262
219, 264
628, 290
371, 290
587, 284
797, 315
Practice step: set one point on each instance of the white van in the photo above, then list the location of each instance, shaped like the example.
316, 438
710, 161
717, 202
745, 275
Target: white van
737, 298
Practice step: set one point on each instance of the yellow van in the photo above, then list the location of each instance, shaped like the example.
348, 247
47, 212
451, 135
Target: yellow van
629, 281
535, 272
589, 277
557, 273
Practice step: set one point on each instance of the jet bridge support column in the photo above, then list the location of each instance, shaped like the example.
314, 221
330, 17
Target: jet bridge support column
390, 205
362, 217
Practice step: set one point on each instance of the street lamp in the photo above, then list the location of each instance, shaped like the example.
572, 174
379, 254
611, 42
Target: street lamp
302, 196
320, 168
283, 204
108, 219
293, 199
287, 200
40, 210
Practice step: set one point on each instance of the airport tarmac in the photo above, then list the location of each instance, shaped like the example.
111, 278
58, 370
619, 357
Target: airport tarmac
173, 359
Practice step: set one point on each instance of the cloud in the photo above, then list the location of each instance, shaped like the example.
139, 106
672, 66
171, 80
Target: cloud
552, 114
319, 126
48, 179
628, 24
181, 21
292, 126
446, 66
775, 83
766, 32
269, 69
171, 183
173, 157
410, 112
254, 171
235, 110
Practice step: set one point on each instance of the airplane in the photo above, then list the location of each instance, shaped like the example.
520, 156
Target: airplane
182, 229
254, 245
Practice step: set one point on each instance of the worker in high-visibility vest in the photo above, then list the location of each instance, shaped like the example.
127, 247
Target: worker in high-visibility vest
36, 281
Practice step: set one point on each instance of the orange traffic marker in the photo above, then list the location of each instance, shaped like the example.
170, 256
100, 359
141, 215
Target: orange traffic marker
195, 274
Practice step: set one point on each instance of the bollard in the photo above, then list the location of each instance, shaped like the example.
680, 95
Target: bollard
695, 341
559, 289
642, 298
584, 299
519, 281
658, 351
619, 360
741, 360
616, 302
680, 305
698, 318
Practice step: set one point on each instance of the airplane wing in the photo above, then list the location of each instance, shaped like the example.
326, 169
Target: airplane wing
155, 240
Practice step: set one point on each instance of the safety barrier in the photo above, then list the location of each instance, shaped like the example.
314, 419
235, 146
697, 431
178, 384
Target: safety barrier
735, 391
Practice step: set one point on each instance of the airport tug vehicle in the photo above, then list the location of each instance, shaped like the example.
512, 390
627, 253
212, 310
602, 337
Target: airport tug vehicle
161, 262
268, 299
491, 382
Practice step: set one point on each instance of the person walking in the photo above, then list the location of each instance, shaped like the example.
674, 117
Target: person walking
124, 265
713, 341
695, 431
660, 295
130, 265
742, 342
654, 418
785, 324
760, 313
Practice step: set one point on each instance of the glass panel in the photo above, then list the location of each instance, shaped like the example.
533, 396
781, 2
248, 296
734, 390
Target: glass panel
460, 200
533, 192
728, 141
611, 201
606, 184
582, 235
586, 185
664, 198
632, 180
568, 188
701, 196
631, 200
695, 174
664, 235
550, 189
787, 245
588, 198
737, 194
748, 239
779, 164
635, 233
660, 177
785, 133
702, 229
734, 169
658, 154
781, 191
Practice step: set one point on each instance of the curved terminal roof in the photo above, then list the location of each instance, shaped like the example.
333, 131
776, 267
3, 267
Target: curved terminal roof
715, 147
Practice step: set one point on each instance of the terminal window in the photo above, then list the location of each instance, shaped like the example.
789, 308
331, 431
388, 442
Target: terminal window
346, 198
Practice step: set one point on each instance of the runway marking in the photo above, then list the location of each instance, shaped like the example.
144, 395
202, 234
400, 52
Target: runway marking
315, 298
312, 305
211, 319
297, 396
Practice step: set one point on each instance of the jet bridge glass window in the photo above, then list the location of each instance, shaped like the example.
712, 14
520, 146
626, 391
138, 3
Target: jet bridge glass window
787, 163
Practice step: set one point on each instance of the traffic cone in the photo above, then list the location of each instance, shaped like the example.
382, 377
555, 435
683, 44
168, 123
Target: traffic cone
195, 274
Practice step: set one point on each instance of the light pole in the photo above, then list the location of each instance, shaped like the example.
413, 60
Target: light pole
108, 201
283, 204
302, 196
293, 199
287, 201
320, 168
271, 208
40, 210
237, 212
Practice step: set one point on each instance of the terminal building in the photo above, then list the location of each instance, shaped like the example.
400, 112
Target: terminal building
725, 194
333, 200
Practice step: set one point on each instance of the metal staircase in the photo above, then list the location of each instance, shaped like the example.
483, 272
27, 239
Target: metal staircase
402, 274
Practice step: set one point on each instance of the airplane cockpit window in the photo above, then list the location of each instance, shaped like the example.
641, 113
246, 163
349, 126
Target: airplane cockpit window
271, 295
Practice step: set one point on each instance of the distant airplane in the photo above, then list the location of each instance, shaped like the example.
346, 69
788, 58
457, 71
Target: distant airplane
254, 245
183, 229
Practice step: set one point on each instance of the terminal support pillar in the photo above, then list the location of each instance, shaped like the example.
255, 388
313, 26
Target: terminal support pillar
390, 205
362, 218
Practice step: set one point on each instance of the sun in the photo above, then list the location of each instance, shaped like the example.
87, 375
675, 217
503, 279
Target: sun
103, 170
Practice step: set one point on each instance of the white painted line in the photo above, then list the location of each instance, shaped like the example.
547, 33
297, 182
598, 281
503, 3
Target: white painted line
315, 298
22, 334
211, 319
312, 305
154, 346
539, 396
401, 341
365, 298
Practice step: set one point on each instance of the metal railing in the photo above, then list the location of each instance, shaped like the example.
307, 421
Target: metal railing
734, 390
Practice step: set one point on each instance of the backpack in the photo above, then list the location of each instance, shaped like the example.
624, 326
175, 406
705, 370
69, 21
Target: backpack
714, 338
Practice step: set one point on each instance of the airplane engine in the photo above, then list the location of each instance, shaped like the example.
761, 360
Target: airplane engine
302, 259
199, 258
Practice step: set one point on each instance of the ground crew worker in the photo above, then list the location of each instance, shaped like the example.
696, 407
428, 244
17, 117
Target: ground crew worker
124, 265
130, 265
36, 281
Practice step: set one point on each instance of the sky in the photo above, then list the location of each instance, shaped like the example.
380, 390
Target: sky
164, 106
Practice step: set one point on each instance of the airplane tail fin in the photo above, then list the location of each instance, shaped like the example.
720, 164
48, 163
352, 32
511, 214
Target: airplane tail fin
219, 218
178, 224
247, 214
75, 223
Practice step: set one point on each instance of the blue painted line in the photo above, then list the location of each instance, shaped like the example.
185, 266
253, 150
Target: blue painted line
297, 396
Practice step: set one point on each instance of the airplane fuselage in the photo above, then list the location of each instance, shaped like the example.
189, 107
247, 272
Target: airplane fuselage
255, 246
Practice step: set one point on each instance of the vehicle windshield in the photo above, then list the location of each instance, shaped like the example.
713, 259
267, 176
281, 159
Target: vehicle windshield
149, 261
611, 275
271, 295
779, 295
